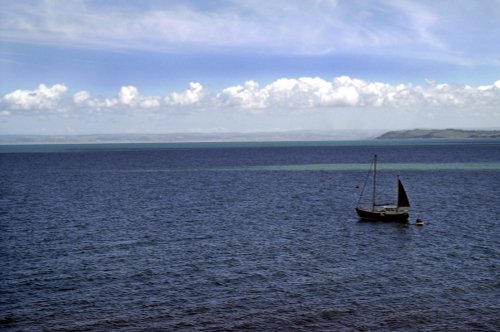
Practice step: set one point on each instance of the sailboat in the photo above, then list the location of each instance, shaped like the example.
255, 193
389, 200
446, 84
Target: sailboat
397, 212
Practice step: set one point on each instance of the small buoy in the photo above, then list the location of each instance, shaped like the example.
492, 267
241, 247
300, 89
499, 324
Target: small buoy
419, 222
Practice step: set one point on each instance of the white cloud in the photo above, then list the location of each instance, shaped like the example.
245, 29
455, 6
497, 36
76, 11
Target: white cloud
247, 96
346, 96
128, 95
304, 92
81, 97
191, 96
43, 98
313, 93
149, 102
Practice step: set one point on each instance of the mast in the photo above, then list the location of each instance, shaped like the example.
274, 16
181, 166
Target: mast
374, 195
399, 193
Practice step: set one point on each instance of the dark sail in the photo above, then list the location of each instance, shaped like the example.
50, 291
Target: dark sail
402, 197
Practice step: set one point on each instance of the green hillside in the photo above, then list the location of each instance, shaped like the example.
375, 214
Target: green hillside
439, 133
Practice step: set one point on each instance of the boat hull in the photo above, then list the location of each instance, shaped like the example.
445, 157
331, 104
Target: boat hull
381, 215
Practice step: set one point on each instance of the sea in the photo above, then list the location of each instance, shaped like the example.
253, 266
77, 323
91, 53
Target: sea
248, 237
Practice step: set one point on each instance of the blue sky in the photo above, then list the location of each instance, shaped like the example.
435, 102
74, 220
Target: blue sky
190, 66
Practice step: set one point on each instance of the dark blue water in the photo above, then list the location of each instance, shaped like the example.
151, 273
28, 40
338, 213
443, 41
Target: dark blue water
229, 237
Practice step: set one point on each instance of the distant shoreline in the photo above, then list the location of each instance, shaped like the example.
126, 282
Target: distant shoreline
299, 136
191, 137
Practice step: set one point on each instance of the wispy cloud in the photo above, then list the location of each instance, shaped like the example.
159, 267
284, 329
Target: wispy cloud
417, 28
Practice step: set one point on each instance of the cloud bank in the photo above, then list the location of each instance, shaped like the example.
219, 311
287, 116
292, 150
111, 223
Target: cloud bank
286, 95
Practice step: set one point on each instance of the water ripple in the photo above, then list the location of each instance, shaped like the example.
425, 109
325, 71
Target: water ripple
257, 239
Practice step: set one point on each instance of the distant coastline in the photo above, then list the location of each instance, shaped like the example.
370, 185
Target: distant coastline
299, 135
439, 133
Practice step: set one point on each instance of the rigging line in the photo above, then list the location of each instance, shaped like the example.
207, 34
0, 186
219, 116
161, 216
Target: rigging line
364, 185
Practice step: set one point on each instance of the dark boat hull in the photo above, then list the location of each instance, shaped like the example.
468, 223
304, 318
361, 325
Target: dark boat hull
392, 216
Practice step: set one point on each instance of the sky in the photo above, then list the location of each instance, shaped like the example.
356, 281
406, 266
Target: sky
103, 66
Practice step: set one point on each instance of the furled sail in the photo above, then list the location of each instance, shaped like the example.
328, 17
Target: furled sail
402, 197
